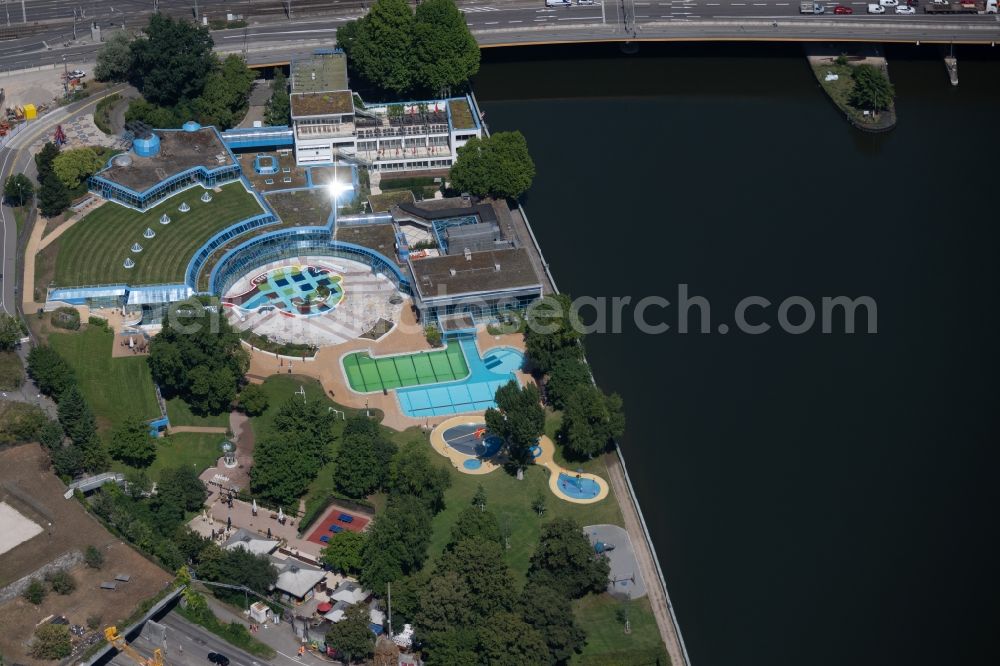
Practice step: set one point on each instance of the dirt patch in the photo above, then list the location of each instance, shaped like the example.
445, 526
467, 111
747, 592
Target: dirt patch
28, 486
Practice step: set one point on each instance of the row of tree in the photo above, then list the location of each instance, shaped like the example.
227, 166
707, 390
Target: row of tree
396, 50
172, 64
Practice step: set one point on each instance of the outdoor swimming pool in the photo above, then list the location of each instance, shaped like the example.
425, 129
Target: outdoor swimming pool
578, 487
301, 290
473, 393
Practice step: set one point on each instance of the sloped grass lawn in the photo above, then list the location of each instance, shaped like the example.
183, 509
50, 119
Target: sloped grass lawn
194, 449
92, 251
607, 642
180, 414
115, 388
11, 371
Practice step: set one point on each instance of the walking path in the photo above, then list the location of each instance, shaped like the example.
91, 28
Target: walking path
644, 558
172, 429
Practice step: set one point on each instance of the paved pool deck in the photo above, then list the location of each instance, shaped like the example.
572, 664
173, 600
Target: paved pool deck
406, 336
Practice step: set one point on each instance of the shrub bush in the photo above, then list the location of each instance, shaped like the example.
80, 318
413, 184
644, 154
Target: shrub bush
66, 317
35, 592
62, 582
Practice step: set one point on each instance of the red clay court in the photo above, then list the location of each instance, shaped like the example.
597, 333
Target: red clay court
334, 517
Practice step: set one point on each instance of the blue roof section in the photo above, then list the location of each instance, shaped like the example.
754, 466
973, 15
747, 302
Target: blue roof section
258, 137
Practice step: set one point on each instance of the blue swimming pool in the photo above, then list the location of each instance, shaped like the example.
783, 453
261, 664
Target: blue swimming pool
472, 394
578, 488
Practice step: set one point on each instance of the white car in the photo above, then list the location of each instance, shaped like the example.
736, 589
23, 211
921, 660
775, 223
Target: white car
585, 2
906, 10
558, 3
876, 9
889, 3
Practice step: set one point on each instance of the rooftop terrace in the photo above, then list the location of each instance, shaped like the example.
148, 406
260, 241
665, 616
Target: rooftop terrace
461, 114
179, 151
320, 73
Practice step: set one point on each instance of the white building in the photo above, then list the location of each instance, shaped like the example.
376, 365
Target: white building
329, 122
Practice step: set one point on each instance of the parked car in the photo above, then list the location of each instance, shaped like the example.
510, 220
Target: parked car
841, 9
876, 9
906, 10
889, 3
77, 74
218, 658
585, 2
558, 3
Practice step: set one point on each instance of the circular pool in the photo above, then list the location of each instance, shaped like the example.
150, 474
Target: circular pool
471, 439
503, 360
472, 463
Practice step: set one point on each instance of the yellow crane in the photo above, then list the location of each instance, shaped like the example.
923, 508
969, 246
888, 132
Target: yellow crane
119, 643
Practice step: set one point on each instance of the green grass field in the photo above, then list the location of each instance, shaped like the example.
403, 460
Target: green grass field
11, 371
179, 413
607, 642
197, 449
92, 251
114, 387
366, 374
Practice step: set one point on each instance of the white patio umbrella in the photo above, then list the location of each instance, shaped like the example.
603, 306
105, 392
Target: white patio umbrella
255, 506
281, 514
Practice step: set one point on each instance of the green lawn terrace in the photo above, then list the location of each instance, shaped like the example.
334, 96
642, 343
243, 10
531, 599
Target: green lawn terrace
94, 250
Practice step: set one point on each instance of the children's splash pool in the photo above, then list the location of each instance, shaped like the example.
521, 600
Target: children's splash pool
301, 290
578, 487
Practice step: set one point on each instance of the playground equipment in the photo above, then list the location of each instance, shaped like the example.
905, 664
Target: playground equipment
603, 547
119, 643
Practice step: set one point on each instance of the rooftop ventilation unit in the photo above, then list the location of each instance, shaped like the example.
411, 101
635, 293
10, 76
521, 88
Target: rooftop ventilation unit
453, 272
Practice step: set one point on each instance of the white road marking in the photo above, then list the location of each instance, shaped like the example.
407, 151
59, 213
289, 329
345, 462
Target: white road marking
515, 21
577, 18
491, 22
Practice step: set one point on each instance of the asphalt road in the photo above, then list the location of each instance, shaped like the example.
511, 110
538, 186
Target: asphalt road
186, 645
15, 158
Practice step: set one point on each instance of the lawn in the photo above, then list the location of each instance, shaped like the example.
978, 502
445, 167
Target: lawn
180, 414
607, 642
92, 251
201, 450
114, 387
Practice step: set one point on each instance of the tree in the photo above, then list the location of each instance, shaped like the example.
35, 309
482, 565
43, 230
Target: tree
198, 356
18, 189
496, 166
481, 565
178, 492
351, 637
444, 604
413, 473
451, 648
506, 640
552, 333
396, 545
479, 497
363, 459
131, 443
518, 418
35, 592
223, 103
566, 376
253, 400
62, 582
53, 197
75, 416
95, 455
565, 561
872, 89
237, 566
51, 641
10, 332
68, 461
93, 557
114, 58
50, 371
343, 553
73, 166
280, 474
44, 159
433, 335
381, 49
446, 53
592, 422
551, 615
538, 504
475, 524
173, 61
279, 109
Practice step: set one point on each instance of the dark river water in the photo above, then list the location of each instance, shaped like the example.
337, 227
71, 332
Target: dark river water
814, 498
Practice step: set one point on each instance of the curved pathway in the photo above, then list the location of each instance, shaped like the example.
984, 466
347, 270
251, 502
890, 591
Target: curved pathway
547, 460
458, 458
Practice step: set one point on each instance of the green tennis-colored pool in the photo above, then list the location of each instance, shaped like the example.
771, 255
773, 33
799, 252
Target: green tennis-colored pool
366, 374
